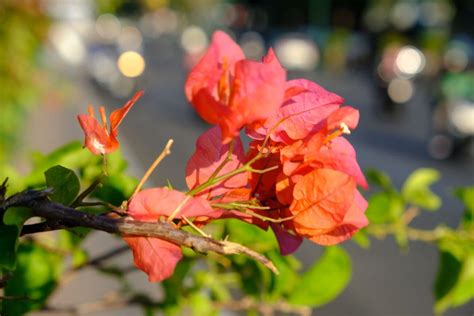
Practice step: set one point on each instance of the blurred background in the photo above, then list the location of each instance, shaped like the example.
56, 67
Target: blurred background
407, 65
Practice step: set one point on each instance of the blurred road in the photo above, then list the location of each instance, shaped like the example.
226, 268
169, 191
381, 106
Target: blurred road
385, 281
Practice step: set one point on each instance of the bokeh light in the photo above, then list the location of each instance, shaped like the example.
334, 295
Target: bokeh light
410, 61
108, 26
400, 90
194, 40
462, 117
404, 15
130, 38
297, 53
131, 64
67, 43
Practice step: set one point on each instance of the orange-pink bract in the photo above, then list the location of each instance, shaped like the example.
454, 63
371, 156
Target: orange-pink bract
154, 256
228, 90
209, 155
97, 138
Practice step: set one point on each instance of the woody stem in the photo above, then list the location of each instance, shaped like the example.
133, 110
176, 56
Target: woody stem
68, 217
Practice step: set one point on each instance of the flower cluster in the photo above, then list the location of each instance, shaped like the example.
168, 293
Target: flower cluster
302, 168
298, 177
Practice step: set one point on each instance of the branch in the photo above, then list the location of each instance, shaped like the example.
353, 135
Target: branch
166, 151
68, 217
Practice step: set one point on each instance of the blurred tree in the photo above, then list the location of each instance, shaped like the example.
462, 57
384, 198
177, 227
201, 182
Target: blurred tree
22, 29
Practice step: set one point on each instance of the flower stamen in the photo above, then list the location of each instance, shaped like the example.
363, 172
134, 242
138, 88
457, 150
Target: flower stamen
343, 129
103, 117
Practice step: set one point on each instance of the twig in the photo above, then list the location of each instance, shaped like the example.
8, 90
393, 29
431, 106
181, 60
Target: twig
165, 152
15, 298
45, 226
190, 223
42, 207
97, 261
3, 189
86, 192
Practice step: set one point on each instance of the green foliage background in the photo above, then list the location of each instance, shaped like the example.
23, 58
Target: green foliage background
23, 28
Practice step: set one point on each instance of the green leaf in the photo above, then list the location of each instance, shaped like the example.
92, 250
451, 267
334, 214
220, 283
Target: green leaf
416, 189
380, 179
79, 257
384, 207
64, 182
362, 239
255, 278
284, 282
448, 274
246, 234
10, 229
466, 195
454, 284
325, 280
34, 279
71, 156
201, 304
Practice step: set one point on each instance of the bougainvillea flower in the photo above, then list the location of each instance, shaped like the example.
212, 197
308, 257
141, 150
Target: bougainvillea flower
230, 91
154, 256
306, 106
98, 139
209, 155
327, 204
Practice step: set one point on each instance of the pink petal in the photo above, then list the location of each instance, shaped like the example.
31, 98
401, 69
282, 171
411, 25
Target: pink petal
96, 139
307, 107
354, 220
118, 115
323, 95
209, 154
340, 155
321, 200
209, 70
151, 204
209, 108
271, 58
154, 256
288, 242
258, 91
347, 115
